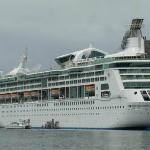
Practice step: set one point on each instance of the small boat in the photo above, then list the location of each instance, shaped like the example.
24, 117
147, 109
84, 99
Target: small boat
22, 124
51, 124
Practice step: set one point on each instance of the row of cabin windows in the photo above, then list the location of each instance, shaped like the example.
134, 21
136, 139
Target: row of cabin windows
17, 100
81, 108
24, 82
66, 114
20, 88
20, 83
113, 65
125, 71
57, 109
53, 84
134, 77
65, 109
128, 58
22, 99
6, 80
128, 64
136, 85
54, 73
42, 74
28, 78
72, 76
77, 81
74, 103
46, 104
55, 104
28, 105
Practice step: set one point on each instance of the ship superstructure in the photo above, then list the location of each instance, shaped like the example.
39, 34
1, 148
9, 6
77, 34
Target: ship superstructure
92, 89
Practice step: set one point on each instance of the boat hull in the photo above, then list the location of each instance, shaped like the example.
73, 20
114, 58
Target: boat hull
95, 114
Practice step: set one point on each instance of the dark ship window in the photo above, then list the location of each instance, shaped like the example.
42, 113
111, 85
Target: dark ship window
145, 96
96, 54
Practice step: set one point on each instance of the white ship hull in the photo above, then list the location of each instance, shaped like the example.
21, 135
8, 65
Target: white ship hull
101, 114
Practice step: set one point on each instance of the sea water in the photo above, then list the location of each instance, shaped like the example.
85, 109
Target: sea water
35, 139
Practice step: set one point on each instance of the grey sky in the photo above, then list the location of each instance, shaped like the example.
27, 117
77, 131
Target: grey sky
53, 27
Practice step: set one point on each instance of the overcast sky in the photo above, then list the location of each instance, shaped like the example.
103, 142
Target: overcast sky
50, 28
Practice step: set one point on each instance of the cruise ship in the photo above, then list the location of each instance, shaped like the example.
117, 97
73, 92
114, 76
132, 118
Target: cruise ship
91, 88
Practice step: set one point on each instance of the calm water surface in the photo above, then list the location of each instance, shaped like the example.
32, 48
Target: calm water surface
74, 139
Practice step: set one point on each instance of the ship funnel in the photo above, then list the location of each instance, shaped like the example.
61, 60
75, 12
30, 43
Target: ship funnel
133, 37
133, 41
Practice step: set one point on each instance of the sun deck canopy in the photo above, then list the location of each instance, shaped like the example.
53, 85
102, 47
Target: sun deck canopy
80, 55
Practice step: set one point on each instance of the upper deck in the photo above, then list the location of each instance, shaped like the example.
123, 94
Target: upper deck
80, 74
83, 65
